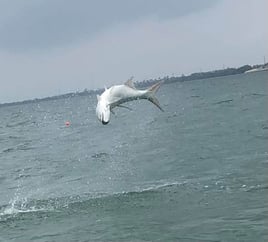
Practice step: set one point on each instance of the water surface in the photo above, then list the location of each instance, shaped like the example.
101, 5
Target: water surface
197, 172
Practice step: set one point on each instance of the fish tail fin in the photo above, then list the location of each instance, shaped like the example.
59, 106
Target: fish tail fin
151, 91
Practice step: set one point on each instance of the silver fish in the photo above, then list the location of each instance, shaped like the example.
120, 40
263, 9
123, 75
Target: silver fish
116, 95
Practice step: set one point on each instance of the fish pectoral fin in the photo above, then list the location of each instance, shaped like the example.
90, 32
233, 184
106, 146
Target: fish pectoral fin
122, 106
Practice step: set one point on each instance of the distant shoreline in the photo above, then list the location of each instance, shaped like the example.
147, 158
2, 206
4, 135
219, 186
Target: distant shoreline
146, 83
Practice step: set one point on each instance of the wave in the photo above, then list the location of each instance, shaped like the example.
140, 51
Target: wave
74, 203
18, 206
224, 101
19, 147
13, 210
19, 123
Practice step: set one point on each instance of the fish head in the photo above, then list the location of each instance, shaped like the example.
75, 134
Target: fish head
103, 111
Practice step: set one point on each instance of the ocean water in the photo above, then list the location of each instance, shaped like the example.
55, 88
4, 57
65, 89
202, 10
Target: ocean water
196, 172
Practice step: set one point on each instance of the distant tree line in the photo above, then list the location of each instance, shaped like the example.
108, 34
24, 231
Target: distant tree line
198, 75
146, 83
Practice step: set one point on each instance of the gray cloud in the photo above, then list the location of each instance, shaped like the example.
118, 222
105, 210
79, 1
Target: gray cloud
150, 42
38, 24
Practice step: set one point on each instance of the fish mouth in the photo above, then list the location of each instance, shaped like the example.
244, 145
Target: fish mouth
103, 122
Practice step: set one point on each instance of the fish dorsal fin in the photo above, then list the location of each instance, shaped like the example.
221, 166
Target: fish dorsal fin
130, 83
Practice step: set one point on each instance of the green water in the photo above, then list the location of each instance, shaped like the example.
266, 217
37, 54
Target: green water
197, 172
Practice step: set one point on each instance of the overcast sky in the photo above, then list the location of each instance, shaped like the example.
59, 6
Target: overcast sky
50, 47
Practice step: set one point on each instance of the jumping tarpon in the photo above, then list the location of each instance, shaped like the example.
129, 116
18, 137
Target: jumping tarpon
115, 96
